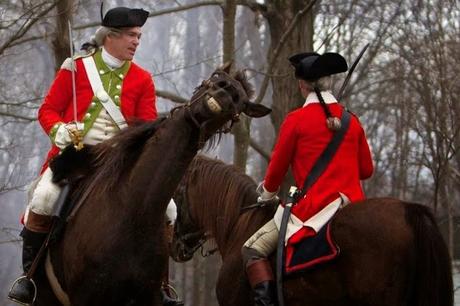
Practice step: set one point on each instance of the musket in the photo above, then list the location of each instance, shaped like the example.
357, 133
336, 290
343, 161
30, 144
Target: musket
75, 134
350, 72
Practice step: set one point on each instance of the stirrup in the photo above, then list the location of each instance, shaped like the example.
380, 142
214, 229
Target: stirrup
17, 281
169, 289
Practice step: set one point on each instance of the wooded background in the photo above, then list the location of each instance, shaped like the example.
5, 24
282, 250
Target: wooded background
405, 91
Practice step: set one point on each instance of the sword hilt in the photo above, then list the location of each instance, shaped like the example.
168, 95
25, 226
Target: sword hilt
76, 134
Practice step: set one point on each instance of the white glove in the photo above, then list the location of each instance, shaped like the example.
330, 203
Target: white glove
264, 194
62, 138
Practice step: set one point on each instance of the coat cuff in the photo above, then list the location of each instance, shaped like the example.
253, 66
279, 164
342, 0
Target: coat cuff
52, 133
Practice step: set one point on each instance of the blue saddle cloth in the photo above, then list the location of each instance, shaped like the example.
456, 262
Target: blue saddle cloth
313, 250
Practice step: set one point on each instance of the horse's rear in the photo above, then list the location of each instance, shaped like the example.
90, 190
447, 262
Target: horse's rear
432, 282
391, 253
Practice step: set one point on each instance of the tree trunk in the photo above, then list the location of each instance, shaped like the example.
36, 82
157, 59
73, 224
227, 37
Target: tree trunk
240, 129
286, 95
60, 43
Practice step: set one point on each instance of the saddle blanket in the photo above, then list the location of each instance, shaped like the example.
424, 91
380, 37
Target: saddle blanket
311, 251
318, 245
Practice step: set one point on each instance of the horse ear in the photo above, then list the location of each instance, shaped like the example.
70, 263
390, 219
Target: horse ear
256, 110
227, 66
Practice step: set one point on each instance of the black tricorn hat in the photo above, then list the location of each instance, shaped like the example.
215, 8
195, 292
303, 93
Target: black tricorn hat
121, 17
312, 66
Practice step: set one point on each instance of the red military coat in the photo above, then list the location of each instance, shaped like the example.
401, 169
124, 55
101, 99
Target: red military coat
302, 138
134, 93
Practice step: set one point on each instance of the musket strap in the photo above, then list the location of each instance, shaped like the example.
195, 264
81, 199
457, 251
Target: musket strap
98, 89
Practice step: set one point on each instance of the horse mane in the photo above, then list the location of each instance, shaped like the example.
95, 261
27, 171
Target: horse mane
227, 190
114, 157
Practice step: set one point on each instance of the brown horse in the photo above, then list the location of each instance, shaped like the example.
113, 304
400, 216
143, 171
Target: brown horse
122, 187
391, 252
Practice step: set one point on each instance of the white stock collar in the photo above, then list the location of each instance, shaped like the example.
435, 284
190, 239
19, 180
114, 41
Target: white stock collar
327, 96
111, 60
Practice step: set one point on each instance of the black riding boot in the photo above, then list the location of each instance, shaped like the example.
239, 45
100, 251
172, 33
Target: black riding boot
262, 282
23, 290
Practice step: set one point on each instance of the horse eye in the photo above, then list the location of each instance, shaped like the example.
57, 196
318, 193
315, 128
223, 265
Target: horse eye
221, 84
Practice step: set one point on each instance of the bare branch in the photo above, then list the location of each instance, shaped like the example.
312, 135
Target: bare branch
253, 5
16, 116
258, 148
162, 12
25, 27
274, 55
170, 96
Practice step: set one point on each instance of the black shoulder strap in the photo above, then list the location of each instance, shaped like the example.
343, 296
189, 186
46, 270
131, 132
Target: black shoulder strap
327, 155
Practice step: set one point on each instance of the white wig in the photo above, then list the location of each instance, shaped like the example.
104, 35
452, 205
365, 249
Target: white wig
97, 40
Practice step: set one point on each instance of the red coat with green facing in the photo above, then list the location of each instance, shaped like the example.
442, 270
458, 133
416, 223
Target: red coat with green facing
130, 87
302, 138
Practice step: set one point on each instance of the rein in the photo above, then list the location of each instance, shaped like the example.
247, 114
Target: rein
270, 203
188, 251
204, 236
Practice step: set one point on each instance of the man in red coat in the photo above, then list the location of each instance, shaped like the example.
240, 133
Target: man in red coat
303, 136
111, 93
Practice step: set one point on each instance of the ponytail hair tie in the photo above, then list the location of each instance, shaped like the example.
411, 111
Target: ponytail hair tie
333, 123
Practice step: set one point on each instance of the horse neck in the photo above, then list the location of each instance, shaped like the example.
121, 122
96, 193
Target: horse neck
161, 165
215, 200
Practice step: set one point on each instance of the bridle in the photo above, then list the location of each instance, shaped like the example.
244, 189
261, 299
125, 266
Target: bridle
181, 196
186, 249
214, 82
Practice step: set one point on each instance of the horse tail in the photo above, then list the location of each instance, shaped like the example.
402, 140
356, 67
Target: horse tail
432, 283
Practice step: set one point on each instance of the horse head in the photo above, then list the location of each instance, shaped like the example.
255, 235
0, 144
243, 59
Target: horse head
187, 237
222, 98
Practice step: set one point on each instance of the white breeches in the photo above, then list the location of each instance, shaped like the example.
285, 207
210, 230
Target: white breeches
45, 195
265, 240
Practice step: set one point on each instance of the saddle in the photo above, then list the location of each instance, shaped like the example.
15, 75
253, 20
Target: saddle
318, 245
69, 168
313, 251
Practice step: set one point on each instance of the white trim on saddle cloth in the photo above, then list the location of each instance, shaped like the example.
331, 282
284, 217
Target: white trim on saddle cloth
316, 222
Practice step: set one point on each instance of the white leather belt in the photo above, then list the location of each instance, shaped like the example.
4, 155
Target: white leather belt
101, 94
